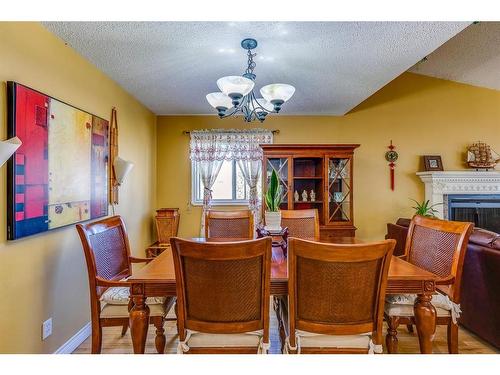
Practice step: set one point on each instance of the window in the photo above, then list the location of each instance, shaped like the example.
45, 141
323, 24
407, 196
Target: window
229, 187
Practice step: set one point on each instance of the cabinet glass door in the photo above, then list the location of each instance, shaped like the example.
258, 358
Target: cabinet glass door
281, 166
339, 190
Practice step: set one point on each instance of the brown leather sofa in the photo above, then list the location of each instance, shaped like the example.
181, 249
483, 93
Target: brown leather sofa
480, 294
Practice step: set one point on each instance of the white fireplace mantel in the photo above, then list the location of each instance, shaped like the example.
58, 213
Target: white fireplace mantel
442, 183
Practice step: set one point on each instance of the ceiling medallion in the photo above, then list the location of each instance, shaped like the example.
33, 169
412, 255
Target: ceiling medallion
237, 94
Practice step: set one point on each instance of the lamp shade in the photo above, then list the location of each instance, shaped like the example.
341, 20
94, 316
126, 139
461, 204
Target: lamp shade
219, 100
7, 149
277, 92
265, 104
232, 85
122, 168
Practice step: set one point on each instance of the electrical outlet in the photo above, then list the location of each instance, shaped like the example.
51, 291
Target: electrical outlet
46, 328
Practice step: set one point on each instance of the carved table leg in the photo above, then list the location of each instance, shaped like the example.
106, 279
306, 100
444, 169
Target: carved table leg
139, 321
160, 339
425, 319
391, 340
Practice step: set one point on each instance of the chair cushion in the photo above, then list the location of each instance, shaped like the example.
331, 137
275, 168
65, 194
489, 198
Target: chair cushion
393, 309
312, 340
196, 339
402, 305
119, 295
121, 310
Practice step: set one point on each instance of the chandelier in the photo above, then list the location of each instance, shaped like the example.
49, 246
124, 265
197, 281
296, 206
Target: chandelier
237, 94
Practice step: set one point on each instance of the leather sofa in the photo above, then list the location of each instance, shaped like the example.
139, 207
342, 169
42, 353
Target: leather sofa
480, 294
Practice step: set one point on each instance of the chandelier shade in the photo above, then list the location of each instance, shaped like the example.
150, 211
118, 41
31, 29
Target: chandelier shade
235, 87
265, 104
219, 100
277, 91
237, 95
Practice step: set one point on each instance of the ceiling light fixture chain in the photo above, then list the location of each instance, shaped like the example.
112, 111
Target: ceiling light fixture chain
237, 95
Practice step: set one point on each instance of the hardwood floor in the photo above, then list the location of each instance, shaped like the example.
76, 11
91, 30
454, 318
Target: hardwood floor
114, 343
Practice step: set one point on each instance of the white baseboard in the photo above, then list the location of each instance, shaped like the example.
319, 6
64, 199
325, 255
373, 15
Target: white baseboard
74, 342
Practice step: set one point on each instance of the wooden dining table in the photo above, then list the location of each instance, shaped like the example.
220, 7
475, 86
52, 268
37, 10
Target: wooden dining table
157, 278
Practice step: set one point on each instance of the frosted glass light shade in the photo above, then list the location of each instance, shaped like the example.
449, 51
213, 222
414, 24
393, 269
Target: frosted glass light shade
265, 104
232, 85
7, 148
122, 168
218, 99
277, 91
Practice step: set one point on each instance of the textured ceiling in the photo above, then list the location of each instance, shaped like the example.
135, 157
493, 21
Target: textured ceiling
171, 66
471, 57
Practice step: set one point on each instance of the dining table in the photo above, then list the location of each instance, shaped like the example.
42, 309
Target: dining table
157, 279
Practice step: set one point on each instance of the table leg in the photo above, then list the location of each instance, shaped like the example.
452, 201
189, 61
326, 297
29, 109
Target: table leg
139, 321
425, 319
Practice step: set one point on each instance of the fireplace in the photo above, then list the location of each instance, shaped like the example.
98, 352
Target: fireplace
465, 196
483, 210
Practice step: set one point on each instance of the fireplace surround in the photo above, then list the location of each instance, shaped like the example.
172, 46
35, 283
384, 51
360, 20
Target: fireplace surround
465, 196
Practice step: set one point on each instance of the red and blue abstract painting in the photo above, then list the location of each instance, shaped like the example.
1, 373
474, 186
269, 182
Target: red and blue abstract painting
59, 175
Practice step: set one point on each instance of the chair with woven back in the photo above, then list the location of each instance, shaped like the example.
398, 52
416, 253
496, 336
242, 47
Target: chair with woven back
223, 293
238, 224
437, 246
301, 223
336, 296
109, 263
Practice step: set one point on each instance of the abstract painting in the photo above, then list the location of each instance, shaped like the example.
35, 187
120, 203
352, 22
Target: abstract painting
59, 175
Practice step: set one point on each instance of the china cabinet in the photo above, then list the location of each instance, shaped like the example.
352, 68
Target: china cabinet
325, 173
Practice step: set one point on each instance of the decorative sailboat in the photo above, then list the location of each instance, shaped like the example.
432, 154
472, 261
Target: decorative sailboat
481, 156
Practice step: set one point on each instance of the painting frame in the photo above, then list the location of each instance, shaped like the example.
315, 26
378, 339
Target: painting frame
59, 175
433, 163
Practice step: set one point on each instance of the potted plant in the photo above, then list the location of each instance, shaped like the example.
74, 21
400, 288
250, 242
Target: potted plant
273, 201
424, 208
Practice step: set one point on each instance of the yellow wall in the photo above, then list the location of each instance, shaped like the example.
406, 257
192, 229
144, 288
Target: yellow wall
45, 275
422, 115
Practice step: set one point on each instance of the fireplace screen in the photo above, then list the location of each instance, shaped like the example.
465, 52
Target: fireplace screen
482, 210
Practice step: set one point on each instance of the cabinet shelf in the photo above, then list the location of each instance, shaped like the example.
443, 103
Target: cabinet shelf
308, 178
313, 202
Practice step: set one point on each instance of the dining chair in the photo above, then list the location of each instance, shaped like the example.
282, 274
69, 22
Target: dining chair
301, 223
336, 296
223, 293
238, 224
437, 246
109, 264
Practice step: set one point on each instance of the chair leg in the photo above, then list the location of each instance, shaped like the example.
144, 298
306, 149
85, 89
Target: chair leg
160, 335
391, 339
96, 339
452, 338
410, 328
124, 329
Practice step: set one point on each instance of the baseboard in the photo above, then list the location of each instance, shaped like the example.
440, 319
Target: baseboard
74, 342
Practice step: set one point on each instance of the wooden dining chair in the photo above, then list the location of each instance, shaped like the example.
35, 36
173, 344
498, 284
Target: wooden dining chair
437, 246
301, 223
238, 224
223, 293
336, 296
109, 264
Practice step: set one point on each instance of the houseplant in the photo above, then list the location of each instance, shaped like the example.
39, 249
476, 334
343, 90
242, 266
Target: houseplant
424, 208
273, 201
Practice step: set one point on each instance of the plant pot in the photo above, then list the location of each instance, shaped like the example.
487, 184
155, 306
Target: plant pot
273, 220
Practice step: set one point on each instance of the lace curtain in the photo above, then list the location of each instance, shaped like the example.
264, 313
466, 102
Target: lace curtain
209, 148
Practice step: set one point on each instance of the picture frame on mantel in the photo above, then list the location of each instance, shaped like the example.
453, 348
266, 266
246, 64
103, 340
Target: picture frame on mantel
432, 163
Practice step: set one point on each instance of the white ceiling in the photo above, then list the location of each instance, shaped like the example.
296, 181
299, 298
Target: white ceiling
471, 57
171, 66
